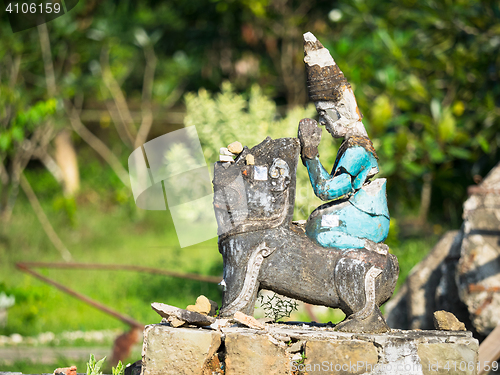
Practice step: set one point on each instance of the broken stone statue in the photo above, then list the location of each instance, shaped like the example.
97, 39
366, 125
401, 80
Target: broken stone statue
337, 259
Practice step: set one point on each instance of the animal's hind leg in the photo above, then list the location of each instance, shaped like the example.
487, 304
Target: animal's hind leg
355, 282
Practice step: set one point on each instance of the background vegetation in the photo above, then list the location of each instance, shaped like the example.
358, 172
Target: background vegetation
93, 85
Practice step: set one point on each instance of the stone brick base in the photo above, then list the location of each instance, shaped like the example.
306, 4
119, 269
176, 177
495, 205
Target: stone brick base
303, 349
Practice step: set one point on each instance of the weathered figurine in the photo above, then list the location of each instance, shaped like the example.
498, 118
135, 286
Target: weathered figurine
362, 212
339, 262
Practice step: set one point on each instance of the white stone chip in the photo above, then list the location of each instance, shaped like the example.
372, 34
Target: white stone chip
330, 221
320, 56
219, 323
260, 173
309, 37
225, 151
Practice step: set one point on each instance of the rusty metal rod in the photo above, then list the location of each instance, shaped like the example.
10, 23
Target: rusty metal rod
484, 305
476, 288
98, 266
474, 189
126, 319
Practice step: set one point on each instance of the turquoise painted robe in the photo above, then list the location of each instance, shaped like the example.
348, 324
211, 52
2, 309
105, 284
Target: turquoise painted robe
358, 208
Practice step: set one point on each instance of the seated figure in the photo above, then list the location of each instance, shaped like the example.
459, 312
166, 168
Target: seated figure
254, 202
356, 215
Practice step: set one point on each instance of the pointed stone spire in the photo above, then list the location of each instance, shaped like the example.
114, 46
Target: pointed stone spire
325, 81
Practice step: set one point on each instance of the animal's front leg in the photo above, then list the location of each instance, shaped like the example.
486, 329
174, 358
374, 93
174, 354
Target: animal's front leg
241, 289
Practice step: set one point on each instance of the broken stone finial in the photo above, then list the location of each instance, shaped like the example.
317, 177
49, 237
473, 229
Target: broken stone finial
325, 80
366, 219
315, 53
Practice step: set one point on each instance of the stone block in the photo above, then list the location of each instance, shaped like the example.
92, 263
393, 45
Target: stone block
249, 353
295, 349
178, 351
339, 357
448, 359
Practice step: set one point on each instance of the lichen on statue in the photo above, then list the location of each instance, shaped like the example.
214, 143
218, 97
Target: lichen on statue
356, 214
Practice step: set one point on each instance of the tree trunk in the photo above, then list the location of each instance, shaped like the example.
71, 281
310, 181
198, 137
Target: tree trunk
4, 197
425, 199
67, 161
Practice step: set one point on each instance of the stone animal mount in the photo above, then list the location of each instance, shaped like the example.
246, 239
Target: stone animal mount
254, 197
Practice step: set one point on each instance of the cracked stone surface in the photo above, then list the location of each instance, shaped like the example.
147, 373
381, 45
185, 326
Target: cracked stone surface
168, 350
323, 351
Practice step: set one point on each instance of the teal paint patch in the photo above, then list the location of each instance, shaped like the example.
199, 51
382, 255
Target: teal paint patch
325, 187
354, 227
363, 216
372, 198
354, 160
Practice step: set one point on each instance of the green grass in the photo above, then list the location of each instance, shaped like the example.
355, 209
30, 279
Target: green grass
101, 231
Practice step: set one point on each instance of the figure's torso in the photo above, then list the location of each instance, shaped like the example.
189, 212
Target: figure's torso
361, 213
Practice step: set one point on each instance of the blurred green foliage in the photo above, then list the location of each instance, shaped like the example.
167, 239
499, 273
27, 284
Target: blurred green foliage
22, 121
33, 367
425, 73
426, 76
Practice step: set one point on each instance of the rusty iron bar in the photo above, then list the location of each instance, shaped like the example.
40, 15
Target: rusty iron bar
24, 267
476, 288
484, 305
481, 191
124, 267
